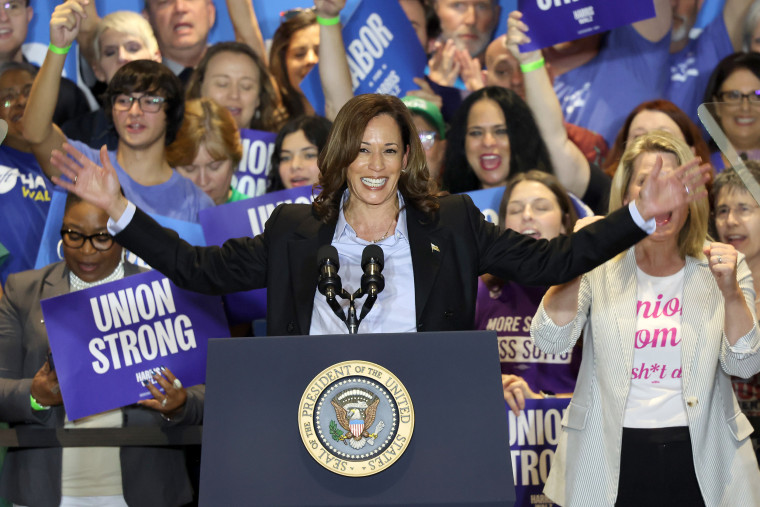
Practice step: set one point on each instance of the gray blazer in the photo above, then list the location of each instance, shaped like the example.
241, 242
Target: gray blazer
586, 466
151, 476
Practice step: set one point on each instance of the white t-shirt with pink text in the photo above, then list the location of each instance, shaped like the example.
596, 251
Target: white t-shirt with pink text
655, 399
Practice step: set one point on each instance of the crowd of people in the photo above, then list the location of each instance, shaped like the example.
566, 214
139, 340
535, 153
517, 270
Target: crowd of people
608, 123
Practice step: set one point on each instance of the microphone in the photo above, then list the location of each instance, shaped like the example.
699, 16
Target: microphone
372, 280
329, 283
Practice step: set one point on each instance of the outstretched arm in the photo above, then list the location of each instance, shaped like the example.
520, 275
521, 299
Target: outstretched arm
39, 129
86, 36
570, 165
246, 26
333, 62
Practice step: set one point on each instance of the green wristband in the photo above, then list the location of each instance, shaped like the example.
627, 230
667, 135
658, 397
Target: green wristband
35, 405
59, 51
328, 21
528, 67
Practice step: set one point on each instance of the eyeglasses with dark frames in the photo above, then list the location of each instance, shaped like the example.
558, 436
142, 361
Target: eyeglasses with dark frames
736, 97
100, 241
147, 103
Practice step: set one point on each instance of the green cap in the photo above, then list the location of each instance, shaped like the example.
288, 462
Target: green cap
429, 111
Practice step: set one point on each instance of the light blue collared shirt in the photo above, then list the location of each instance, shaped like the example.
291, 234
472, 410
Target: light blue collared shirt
394, 311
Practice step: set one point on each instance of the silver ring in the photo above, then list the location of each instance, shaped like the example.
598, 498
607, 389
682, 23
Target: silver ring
720, 260
163, 402
75, 179
177, 384
686, 187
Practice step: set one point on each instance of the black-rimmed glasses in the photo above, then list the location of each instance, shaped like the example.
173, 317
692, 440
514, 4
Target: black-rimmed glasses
147, 103
736, 97
101, 241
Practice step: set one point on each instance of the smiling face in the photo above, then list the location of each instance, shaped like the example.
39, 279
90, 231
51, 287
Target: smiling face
14, 23
533, 210
650, 120
86, 262
181, 26
212, 176
741, 122
486, 143
670, 224
15, 86
232, 80
298, 161
118, 48
302, 53
737, 220
470, 23
373, 176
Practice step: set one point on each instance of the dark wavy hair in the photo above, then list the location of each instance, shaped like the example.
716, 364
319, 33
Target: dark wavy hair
266, 117
290, 94
147, 76
343, 146
689, 130
315, 128
528, 150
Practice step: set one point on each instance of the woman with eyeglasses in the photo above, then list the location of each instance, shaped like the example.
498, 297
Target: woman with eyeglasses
296, 150
736, 218
146, 105
25, 194
30, 397
734, 87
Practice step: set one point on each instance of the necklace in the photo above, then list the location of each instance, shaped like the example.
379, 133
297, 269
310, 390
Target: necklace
384, 235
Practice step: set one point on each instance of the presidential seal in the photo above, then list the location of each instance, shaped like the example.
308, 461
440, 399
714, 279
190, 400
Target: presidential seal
356, 418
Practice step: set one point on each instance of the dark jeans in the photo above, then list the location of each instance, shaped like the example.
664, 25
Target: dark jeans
657, 468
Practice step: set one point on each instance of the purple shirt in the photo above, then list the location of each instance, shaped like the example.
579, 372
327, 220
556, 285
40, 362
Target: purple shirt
509, 312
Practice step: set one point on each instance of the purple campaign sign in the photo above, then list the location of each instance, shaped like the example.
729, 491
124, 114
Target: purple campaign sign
384, 53
108, 339
555, 21
250, 178
533, 438
240, 219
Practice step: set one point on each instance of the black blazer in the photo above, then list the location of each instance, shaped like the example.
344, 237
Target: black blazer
449, 251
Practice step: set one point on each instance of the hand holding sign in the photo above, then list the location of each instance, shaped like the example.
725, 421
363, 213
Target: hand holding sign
45, 387
95, 184
516, 36
171, 400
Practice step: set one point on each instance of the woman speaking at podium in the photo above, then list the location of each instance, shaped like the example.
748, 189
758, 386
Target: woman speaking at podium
375, 189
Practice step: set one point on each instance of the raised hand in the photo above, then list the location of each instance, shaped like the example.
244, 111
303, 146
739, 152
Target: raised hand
722, 261
426, 92
329, 8
98, 185
444, 67
66, 21
664, 192
517, 35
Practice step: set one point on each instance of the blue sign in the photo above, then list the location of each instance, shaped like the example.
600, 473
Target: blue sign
50, 245
555, 21
488, 201
250, 177
241, 219
109, 339
383, 51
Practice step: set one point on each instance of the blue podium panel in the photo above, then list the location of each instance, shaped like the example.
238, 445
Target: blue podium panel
253, 453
